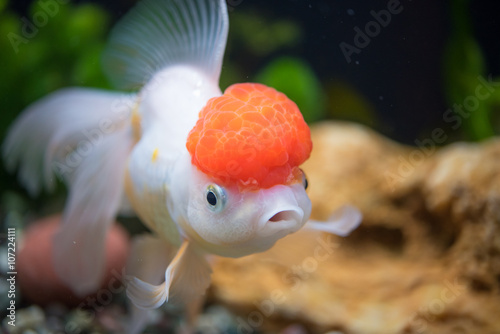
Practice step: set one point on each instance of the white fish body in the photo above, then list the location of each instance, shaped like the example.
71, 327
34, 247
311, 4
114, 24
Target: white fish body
174, 50
168, 109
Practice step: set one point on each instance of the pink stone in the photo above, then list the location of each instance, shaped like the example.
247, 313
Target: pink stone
36, 277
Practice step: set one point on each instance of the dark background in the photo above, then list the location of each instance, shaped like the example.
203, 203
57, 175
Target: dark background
399, 72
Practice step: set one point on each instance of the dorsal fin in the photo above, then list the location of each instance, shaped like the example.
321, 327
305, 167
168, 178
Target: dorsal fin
156, 34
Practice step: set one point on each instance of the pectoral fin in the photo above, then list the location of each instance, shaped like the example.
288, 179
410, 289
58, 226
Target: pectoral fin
342, 222
188, 274
145, 295
186, 278
149, 257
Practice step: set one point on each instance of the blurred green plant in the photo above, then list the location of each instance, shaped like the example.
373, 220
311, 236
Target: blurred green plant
44, 50
254, 36
347, 103
297, 80
39, 56
262, 35
463, 64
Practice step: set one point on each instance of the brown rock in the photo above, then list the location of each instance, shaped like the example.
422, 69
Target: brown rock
426, 258
37, 279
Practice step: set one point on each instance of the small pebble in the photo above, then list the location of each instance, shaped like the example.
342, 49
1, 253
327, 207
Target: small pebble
4, 291
30, 317
216, 319
56, 309
4, 265
55, 324
109, 318
29, 331
79, 320
294, 329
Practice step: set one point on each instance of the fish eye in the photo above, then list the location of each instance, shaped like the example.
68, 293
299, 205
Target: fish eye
304, 179
216, 198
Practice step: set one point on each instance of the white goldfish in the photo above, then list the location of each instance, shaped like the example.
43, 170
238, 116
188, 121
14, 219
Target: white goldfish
209, 173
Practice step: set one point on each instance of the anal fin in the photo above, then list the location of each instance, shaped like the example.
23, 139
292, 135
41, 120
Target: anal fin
342, 222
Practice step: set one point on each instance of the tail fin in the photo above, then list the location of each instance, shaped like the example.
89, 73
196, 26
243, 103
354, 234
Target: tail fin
85, 137
157, 34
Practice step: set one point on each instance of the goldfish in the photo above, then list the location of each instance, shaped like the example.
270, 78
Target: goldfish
209, 173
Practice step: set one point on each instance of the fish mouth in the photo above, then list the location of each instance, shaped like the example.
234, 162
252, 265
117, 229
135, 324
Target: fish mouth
281, 222
286, 215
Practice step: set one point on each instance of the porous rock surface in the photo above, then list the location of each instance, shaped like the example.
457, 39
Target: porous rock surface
426, 258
